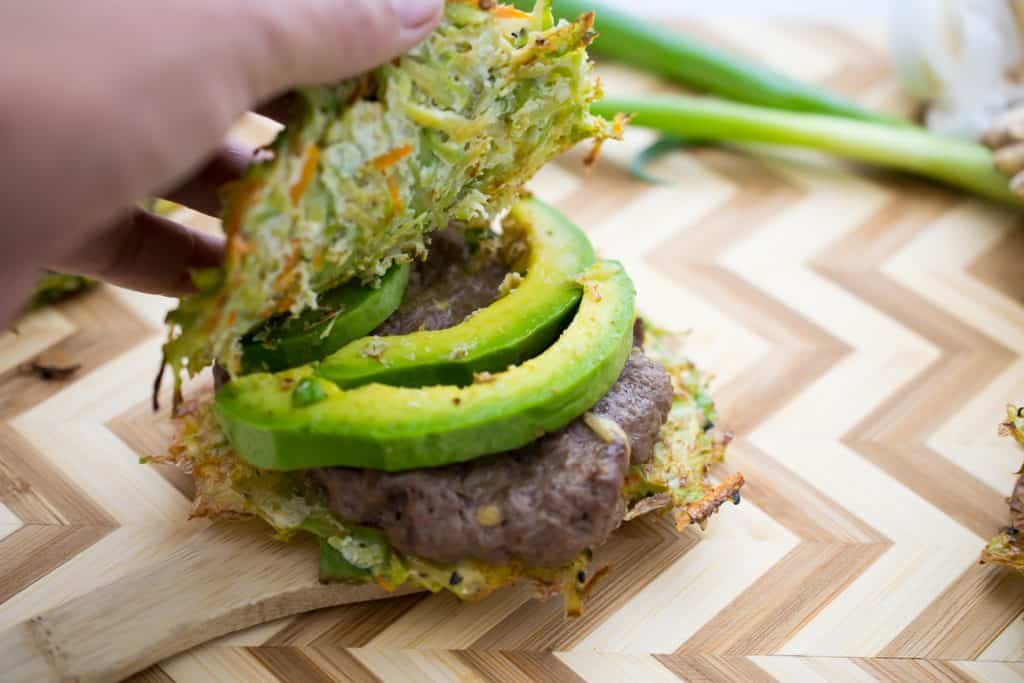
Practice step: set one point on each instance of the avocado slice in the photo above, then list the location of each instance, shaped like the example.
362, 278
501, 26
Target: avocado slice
391, 428
343, 314
516, 327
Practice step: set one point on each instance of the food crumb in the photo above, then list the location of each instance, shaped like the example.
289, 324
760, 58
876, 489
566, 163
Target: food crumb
50, 373
488, 515
375, 348
511, 282
459, 352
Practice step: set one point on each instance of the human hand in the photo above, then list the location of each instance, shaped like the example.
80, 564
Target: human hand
107, 102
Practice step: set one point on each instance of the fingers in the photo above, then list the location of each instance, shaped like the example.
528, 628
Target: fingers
155, 87
317, 41
147, 253
202, 191
277, 109
268, 48
18, 284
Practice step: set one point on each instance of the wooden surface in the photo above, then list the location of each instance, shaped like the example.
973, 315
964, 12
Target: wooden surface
865, 329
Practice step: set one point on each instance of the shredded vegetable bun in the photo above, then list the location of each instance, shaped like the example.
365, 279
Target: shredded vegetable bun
449, 132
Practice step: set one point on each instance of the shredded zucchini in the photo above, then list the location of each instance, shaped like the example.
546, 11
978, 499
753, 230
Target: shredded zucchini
690, 444
450, 131
1007, 548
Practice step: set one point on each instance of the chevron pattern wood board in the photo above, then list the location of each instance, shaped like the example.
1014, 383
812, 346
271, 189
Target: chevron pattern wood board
865, 330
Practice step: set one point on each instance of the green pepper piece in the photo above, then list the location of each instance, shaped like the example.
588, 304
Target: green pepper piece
399, 428
362, 550
344, 314
54, 287
516, 327
334, 566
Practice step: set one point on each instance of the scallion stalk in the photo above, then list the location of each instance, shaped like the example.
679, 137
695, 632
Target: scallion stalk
955, 162
648, 46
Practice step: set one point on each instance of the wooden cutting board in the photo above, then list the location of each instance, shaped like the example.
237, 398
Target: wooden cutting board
865, 329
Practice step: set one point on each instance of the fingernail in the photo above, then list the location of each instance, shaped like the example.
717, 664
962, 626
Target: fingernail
415, 13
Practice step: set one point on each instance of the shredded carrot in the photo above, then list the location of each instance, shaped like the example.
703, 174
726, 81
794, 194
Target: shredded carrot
232, 317
389, 159
384, 584
287, 274
619, 124
500, 11
594, 154
598, 575
385, 162
284, 305
218, 309
243, 194
396, 199
509, 12
239, 245
364, 86
308, 170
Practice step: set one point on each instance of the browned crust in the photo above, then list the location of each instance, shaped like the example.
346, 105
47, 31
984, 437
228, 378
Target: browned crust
699, 512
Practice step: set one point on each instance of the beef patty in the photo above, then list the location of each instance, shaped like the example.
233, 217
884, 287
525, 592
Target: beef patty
541, 504
445, 288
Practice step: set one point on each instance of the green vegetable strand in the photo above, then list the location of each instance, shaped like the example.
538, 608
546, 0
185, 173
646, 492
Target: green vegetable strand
648, 46
54, 287
955, 162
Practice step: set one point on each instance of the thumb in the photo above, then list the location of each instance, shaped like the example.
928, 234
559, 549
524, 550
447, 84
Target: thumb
155, 87
316, 41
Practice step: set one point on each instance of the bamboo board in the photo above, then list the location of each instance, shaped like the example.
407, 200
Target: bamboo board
865, 330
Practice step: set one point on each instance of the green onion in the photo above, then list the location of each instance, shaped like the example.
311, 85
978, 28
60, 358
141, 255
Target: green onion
955, 162
657, 149
652, 48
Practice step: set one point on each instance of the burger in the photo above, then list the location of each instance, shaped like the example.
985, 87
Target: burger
416, 361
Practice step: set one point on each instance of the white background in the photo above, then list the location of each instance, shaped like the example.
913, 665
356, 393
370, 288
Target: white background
856, 11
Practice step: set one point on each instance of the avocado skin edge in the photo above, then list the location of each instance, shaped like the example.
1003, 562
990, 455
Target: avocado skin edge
312, 335
396, 428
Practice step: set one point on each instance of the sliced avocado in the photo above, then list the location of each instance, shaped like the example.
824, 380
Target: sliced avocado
399, 428
343, 314
516, 327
